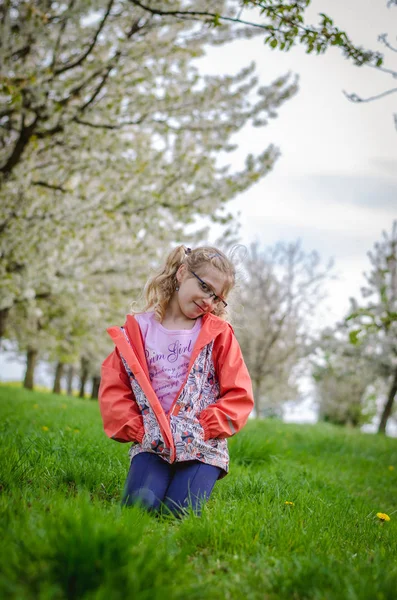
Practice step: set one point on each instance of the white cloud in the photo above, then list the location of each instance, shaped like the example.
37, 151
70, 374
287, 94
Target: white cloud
297, 204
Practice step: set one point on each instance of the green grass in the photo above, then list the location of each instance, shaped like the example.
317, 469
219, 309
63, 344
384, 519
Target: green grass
64, 535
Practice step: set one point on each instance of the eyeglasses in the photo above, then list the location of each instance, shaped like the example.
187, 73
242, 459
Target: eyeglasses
208, 292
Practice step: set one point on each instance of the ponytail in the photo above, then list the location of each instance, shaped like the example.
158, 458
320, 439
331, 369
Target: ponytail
160, 288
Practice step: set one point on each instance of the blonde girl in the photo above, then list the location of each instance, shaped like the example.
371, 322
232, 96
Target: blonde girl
176, 384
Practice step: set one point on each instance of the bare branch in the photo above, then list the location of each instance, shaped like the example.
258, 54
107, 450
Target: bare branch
384, 70
358, 99
383, 38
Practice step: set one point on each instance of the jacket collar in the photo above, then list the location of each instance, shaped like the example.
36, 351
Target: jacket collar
212, 326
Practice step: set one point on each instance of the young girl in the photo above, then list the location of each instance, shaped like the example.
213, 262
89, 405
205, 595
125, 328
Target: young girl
176, 384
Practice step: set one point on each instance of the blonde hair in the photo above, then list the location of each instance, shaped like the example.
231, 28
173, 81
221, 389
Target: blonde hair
160, 288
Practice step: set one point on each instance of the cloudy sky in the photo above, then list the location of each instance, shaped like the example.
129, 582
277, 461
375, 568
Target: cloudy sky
335, 185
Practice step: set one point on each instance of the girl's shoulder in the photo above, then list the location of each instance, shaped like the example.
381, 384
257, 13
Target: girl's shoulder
217, 324
144, 320
143, 317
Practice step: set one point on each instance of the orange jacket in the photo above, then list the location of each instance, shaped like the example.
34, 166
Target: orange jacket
213, 403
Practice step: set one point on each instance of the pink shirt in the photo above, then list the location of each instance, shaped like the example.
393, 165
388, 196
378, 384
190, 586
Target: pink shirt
168, 354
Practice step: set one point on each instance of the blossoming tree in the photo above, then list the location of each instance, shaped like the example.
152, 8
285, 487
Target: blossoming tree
374, 322
278, 295
108, 124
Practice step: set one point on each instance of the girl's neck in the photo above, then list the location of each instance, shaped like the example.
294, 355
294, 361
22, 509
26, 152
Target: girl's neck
175, 319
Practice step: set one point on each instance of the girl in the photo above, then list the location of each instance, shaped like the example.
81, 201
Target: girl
176, 384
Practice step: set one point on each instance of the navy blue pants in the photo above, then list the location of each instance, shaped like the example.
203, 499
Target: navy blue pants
155, 484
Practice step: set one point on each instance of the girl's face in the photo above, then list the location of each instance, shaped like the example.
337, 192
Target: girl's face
195, 297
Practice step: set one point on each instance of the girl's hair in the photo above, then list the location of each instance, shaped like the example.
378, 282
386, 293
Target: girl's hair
160, 288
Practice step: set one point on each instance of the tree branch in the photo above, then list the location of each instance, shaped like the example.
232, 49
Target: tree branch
383, 69
135, 27
90, 48
43, 133
320, 37
77, 90
49, 186
196, 15
24, 136
61, 30
21, 52
97, 90
358, 99
383, 38
104, 125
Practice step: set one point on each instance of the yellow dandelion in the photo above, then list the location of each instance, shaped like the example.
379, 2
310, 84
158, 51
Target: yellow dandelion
45, 428
289, 503
35, 406
383, 516
391, 468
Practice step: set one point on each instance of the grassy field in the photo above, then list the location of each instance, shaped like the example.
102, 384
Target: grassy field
294, 519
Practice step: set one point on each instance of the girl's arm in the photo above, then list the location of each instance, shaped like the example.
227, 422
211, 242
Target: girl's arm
230, 413
122, 419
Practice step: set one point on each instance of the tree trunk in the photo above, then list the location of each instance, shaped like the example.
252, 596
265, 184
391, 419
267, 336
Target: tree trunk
69, 380
31, 361
389, 404
95, 387
4, 312
83, 377
257, 391
58, 376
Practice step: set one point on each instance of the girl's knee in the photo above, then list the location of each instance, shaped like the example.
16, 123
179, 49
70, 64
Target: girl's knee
189, 505
143, 497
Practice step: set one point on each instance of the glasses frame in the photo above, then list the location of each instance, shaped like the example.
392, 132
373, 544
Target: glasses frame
210, 294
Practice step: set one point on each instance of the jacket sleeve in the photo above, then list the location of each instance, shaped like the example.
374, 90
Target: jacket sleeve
230, 413
122, 419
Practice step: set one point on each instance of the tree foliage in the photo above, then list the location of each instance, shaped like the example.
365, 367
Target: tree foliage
346, 378
63, 64
109, 142
373, 322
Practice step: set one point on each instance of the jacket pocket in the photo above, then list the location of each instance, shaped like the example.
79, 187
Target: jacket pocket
188, 437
